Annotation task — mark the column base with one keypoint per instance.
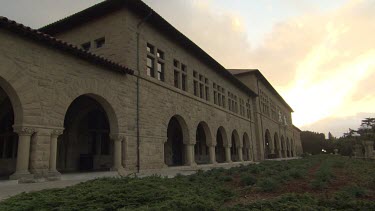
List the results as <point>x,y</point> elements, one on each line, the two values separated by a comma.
<point>120,170</point>
<point>22,177</point>
<point>53,175</point>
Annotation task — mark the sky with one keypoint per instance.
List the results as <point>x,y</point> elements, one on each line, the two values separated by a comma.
<point>318,54</point>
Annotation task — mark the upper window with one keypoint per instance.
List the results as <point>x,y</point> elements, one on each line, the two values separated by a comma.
<point>201,86</point>
<point>100,42</point>
<point>155,58</point>
<point>86,46</point>
<point>219,95</point>
<point>180,75</point>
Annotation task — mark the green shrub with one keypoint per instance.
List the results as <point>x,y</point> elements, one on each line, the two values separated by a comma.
<point>226,178</point>
<point>296,174</point>
<point>355,191</point>
<point>268,184</point>
<point>248,180</point>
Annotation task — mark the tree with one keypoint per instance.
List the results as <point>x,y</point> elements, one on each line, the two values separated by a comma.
<point>312,142</point>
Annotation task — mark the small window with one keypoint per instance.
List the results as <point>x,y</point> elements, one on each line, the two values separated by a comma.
<point>86,46</point>
<point>160,71</point>
<point>183,67</point>
<point>100,42</point>
<point>160,54</point>
<point>195,74</point>
<point>184,82</point>
<point>150,48</point>
<point>150,66</point>
<point>176,63</point>
<point>195,88</point>
<point>176,76</point>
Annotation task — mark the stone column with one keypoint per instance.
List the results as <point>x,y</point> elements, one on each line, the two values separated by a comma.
<point>240,154</point>
<point>53,151</point>
<point>23,153</point>
<point>117,152</point>
<point>227,155</point>
<point>212,154</point>
<point>190,161</point>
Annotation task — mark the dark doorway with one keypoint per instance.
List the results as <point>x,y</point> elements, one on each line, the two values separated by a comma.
<point>201,150</point>
<point>85,144</point>
<point>174,147</point>
<point>8,138</point>
<point>219,149</point>
<point>234,148</point>
<point>267,150</point>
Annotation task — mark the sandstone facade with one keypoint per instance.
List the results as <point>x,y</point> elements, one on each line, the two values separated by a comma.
<point>69,114</point>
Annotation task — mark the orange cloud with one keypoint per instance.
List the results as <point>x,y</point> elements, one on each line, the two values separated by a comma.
<point>322,63</point>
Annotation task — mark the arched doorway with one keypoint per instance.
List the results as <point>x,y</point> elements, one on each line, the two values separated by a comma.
<point>8,138</point>
<point>287,147</point>
<point>246,148</point>
<point>219,149</point>
<point>292,153</point>
<point>276,144</point>
<point>283,150</point>
<point>201,149</point>
<point>235,144</point>
<point>267,147</point>
<point>85,144</point>
<point>174,154</point>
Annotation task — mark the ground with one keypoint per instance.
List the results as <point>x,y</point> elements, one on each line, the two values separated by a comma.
<point>312,183</point>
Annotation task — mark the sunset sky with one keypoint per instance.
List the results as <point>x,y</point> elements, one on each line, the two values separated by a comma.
<point>319,54</point>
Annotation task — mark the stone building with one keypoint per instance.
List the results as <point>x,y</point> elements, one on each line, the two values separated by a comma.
<point>117,88</point>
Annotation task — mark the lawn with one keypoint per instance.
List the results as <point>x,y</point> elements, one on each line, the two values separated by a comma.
<point>312,183</point>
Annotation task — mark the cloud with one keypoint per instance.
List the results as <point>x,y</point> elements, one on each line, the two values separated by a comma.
<point>323,63</point>
<point>337,126</point>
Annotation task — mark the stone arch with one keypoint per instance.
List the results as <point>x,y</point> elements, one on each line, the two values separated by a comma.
<point>267,144</point>
<point>177,137</point>
<point>276,144</point>
<point>7,89</point>
<point>8,136</point>
<point>292,152</point>
<point>283,145</point>
<point>85,144</point>
<point>221,143</point>
<point>247,154</point>
<point>235,146</point>
<point>104,103</point>
<point>203,140</point>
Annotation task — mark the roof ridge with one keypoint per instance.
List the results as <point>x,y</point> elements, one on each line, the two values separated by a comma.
<point>61,45</point>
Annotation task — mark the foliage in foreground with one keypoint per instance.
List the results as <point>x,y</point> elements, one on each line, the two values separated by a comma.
<point>217,188</point>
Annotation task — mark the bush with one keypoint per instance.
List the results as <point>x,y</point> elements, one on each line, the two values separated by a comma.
<point>248,180</point>
<point>268,184</point>
<point>296,174</point>
<point>355,191</point>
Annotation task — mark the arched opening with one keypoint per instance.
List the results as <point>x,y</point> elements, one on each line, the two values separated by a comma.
<point>235,144</point>
<point>287,147</point>
<point>267,150</point>
<point>219,149</point>
<point>174,154</point>
<point>246,148</point>
<point>282,143</point>
<point>85,144</point>
<point>8,138</point>
<point>201,149</point>
<point>276,144</point>
<point>292,153</point>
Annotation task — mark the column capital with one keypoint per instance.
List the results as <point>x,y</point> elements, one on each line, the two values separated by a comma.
<point>25,131</point>
<point>118,137</point>
<point>56,133</point>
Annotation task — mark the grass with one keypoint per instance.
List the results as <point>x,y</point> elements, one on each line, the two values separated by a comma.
<point>313,183</point>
